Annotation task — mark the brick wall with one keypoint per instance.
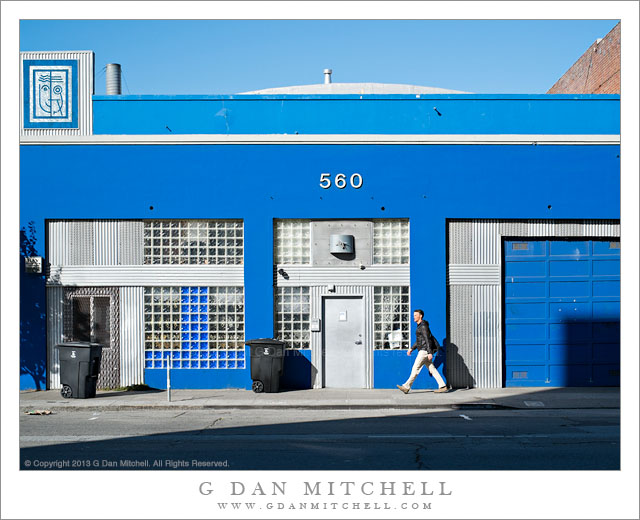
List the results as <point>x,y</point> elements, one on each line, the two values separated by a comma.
<point>597,71</point>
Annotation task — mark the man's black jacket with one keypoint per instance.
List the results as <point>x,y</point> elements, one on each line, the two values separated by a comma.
<point>423,337</point>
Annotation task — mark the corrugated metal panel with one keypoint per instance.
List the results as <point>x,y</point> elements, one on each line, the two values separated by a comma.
<point>472,274</point>
<point>131,336</point>
<point>486,243</point>
<point>85,93</point>
<point>131,242</point>
<point>81,243</point>
<point>461,242</point>
<point>152,275</point>
<point>487,335</point>
<point>55,333</point>
<point>460,354</point>
<point>106,235</point>
<point>303,275</point>
<point>541,228</point>
<point>58,237</point>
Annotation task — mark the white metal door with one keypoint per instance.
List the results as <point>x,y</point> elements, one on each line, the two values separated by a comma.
<point>344,347</point>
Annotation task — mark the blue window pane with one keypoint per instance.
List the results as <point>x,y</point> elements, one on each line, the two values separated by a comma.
<point>184,308</point>
<point>175,354</point>
<point>204,364</point>
<point>203,308</point>
<point>195,364</point>
<point>195,355</point>
<point>232,355</point>
<point>231,364</point>
<point>240,354</point>
<point>213,364</point>
<point>157,354</point>
<point>193,308</point>
<point>175,364</point>
<point>204,317</point>
<point>193,290</point>
<point>194,317</point>
<point>213,354</point>
<point>204,345</point>
<point>148,354</point>
<point>240,364</point>
<point>148,364</point>
<point>193,345</point>
<point>184,326</point>
<point>194,336</point>
<point>223,354</point>
<point>203,299</point>
<point>222,364</point>
<point>184,290</point>
<point>184,345</point>
<point>184,299</point>
<point>204,326</point>
<point>157,363</point>
<point>185,364</point>
<point>204,337</point>
<point>195,326</point>
<point>185,336</point>
<point>202,354</point>
<point>185,317</point>
<point>204,290</point>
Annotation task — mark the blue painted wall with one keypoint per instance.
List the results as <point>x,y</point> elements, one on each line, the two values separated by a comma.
<point>426,183</point>
<point>353,114</point>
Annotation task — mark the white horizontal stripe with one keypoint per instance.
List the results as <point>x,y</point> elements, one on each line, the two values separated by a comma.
<point>474,274</point>
<point>527,139</point>
<point>146,275</point>
<point>296,275</point>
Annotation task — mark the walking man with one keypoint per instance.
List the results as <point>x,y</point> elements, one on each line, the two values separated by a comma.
<point>426,349</point>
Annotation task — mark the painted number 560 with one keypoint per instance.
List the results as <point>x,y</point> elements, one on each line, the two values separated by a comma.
<point>340,181</point>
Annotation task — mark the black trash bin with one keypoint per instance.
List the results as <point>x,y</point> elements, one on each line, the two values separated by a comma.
<point>267,357</point>
<point>79,368</point>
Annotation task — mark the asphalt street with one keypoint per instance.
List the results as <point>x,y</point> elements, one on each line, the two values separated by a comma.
<point>587,439</point>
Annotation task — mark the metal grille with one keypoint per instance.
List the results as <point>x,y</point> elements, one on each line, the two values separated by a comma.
<point>391,317</point>
<point>292,242</point>
<point>391,241</point>
<point>293,310</point>
<point>195,327</point>
<point>208,242</point>
<point>93,314</point>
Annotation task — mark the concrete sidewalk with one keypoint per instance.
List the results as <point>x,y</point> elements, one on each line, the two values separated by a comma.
<point>328,398</point>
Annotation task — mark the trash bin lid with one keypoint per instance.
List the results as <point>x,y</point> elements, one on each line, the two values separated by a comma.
<point>79,344</point>
<point>264,341</point>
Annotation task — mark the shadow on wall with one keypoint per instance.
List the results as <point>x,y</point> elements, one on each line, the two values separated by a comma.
<point>458,375</point>
<point>33,350</point>
<point>298,372</point>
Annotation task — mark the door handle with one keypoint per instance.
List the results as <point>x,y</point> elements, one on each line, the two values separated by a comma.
<point>359,342</point>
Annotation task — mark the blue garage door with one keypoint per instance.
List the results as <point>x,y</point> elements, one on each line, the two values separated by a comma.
<point>562,313</point>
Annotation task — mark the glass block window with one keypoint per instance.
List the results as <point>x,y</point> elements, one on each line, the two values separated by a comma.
<point>292,242</point>
<point>391,317</point>
<point>194,327</point>
<point>391,241</point>
<point>213,242</point>
<point>293,311</point>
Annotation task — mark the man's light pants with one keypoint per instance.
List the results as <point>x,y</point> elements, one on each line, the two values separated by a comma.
<point>422,360</point>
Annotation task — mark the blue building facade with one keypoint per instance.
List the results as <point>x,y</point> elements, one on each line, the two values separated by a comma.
<point>175,228</point>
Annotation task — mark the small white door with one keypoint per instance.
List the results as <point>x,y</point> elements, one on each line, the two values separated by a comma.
<point>343,343</point>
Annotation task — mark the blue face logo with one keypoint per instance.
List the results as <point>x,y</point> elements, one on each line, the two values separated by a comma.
<point>51,93</point>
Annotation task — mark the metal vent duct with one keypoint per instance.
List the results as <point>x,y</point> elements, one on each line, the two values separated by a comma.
<point>327,76</point>
<point>114,84</point>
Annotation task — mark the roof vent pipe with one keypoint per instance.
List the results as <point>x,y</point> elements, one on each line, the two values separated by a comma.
<point>114,84</point>
<point>327,76</point>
